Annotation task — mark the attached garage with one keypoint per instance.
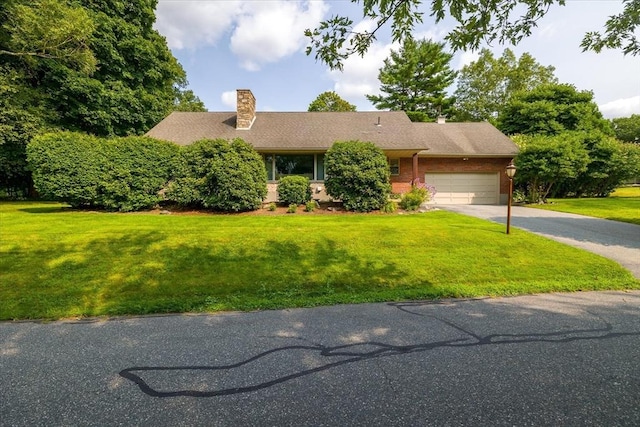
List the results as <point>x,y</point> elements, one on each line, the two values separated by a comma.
<point>464,188</point>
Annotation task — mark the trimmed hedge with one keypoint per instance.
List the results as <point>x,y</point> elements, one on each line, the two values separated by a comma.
<point>358,174</point>
<point>123,174</point>
<point>66,166</point>
<point>138,169</point>
<point>294,189</point>
<point>221,175</point>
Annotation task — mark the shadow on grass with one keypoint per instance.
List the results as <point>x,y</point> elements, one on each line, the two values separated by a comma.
<point>144,272</point>
<point>47,209</point>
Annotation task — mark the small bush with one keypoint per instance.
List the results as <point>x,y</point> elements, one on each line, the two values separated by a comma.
<point>413,199</point>
<point>310,206</point>
<point>390,207</point>
<point>272,206</point>
<point>294,189</point>
<point>419,194</point>
<point>293,208</point>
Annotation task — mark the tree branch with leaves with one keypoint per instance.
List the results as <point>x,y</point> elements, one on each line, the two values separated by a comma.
<point>49,29</point>
<point>478,22</point>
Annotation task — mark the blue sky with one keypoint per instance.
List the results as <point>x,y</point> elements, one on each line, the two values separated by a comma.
<point>226,45</point>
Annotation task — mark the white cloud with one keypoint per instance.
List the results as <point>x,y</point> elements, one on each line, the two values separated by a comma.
<point>435,34</point>
<point>229,99</point>
<point>267,31</point>
<point>260,31</point>
<point>621,107</point>
<point>189,24</point>
<point>467,58</point>
<point>359,76</point>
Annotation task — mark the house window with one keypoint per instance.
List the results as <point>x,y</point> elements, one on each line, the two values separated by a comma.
<point>268,164</point>
<point>307,165</point>
<point>320,167</point>
<point>394,166</point>
<point>294,164</point>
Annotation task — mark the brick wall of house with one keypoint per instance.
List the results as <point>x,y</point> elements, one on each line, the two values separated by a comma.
<point>402,183</point>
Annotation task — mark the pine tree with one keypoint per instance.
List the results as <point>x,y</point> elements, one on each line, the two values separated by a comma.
<point>415,79</point>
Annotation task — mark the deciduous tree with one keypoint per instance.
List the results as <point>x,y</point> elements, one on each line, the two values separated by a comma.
<point>485,85</point>
<point>186,100</point>
<point>47,29</point>
<point>330,101</point>
<point>620,31</point>
<point>551,109</point>
<point>95,66</point>
<point>627,128</point>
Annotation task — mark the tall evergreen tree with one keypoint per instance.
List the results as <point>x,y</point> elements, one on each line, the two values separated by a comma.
<point>415,79</point>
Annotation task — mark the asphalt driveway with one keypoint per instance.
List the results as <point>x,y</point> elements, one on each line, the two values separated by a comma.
<point>615,240</point>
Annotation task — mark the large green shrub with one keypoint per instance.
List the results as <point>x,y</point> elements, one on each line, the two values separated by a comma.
<point>123,174</point>
<point>222,175</point>
<point>66,166</point>
<point>294,189</point>
<point>358,174</point>
<point>611,162</point>
<point>546,161</point>
<point>138,169</point>
<point>573,164</point>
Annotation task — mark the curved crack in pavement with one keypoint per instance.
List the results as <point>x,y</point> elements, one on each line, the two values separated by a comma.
<point>349,353</point>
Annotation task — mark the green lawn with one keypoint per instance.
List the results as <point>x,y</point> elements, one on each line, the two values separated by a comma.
<point>57,263</point>
<point>622,205</point>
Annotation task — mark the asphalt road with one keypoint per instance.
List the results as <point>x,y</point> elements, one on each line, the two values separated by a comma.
<point>619,241</point>
<point>558,359</point>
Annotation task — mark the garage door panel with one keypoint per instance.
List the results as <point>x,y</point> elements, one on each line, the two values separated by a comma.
<point>465,188</point>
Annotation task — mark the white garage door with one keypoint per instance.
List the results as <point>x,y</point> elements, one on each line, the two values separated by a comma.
<point>465,188</point>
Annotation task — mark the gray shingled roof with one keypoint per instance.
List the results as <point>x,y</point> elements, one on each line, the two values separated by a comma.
<point>478,139</point>
<point>317,131</point>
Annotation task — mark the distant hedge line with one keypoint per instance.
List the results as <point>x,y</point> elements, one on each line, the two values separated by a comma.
<point>134,173</point>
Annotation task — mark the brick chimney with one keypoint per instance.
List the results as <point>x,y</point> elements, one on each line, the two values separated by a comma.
<point>245,109</point>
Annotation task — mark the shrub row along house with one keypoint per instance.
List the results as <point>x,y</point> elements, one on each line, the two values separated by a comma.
<point>465,162</point>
